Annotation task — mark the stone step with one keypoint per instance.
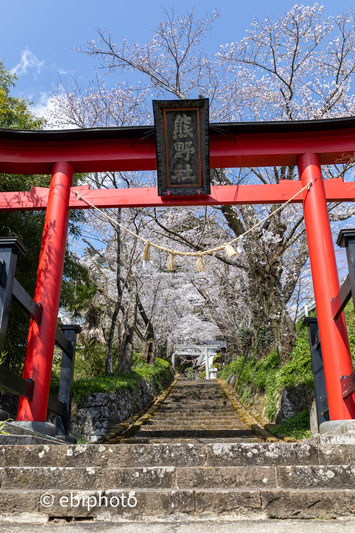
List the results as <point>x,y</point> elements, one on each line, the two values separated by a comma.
<point>213,524</point>
<point>144,431</point>
<point>180,453</point>
<point>196,412</point>
<point>228,412</point>
<point>201,406</point>
<point>195,458</point>
<point>193,416</point>
<point>209,424</point>
<point>146,440</point>
<point>192,410</point>
<point>199,477</point>
<point>193,420</point>
<point>202,424</point>
<point>165,504</point>
<point>193,390</point>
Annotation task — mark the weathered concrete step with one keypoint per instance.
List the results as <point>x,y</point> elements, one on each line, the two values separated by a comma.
<point>194,433</point>
<point>205,384</point>
<point>196,400</point>
<point>229,416</point>
<point>214,524</point>
<point>198,412</point>
<point>129,478</point>
<point>227,411</point>
<point>210,425</point>
<point>194,421</point>
<point>193,392</point>
<point>198,427</point>
<point>15,434</point>
<point>146,440</point>
<point>200,406</point>
<point>286,477</point>
<point>171,504</point>
<point>179,454</point>
<point>194,388</point>
<point>196,424</point>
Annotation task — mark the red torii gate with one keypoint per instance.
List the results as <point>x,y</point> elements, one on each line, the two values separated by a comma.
<point>307,144</point>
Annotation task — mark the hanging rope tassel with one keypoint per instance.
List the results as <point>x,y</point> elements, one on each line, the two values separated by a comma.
<point>171,263</point>
<point>146,252</point>
<point>200,264</point>
<point>229,251</point>
<point>240,248</point>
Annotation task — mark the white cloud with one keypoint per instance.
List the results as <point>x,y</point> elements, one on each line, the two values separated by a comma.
<point>44,106</point>
<point>28,61</point>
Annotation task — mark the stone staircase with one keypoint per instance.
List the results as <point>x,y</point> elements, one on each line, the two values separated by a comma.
<point>194,459</point>
<point>193,410</point>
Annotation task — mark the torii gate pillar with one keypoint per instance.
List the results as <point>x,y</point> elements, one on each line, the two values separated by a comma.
<point>333,334</point>
<point>40,345</point>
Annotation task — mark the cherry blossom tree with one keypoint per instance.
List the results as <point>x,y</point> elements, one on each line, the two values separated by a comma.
<point>298,66</point>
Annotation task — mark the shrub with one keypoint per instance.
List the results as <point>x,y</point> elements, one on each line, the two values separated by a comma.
<point>296,427</point>
<point>161,374</point>
<point>268,376</point>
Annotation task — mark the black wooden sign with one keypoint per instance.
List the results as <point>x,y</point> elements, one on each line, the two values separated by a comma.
<point>182,145</point>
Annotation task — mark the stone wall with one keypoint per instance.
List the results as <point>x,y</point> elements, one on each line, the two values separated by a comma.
<point>290,402</point>
<point>99,411</point>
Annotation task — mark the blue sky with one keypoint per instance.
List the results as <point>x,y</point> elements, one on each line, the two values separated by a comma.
<point>38,37</point>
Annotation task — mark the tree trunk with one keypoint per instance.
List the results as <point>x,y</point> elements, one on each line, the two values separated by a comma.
<point>126,345</point>
<point>109,361</point>
<point>148,350</point>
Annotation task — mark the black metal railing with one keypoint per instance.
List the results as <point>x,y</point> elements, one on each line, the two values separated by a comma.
<point>346,239</point>
<point>10,249</point>
<point>320,391</point>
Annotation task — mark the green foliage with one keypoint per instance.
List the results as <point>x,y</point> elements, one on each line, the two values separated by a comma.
<point>202,375</point>
<point>15,113</point>
<point>296,427</point>
<point>27,226</point>
<point>264,339</point>
<point>217,361</point>
<point>189,373</point>
<point>3,426</point>
<point>161,374</point>
<point>90,361</point>
<point>2,357</point>
<point>78,291</point>
<point>268,376</point>
<point>350,322</point>
<point>246,340</point>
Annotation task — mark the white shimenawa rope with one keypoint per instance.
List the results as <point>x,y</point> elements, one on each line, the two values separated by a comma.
<point>172,253</point>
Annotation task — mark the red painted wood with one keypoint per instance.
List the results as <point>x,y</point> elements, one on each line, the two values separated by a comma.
<point>40,345</point>
<point>28,153</point>
<point>134,153</point>
<point>36,198</point>
<point>333,334</point>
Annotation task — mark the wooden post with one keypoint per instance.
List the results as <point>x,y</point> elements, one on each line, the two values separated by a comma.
<point>333,334</point>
